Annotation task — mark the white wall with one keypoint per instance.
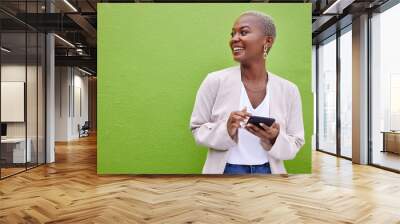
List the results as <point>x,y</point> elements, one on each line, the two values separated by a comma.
<point>16,72</point>
<point>13,72</point>
<point>62,81</point>
<point>81,89</point>
<point>71,93</point>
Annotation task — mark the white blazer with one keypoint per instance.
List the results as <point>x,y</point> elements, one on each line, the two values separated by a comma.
<point>219,95</point>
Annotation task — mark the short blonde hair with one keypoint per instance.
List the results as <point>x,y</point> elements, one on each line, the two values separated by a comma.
<point>266,21</point>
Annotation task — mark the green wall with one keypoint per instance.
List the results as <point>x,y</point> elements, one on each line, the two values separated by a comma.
<point>151,61</point>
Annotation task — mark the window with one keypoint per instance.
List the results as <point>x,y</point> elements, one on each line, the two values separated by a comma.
<point>346,92</point>
<point>327,95</point>
<point>385,89</point>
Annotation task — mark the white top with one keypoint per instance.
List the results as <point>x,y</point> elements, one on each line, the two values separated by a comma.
<point>249,151</point>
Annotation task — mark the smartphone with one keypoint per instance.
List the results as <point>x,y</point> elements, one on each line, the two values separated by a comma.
<point>256,120</point>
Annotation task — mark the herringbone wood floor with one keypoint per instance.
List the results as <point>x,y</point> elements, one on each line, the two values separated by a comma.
<point>70,191</point>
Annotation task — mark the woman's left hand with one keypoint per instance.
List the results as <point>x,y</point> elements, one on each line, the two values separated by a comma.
<point>269,133</point>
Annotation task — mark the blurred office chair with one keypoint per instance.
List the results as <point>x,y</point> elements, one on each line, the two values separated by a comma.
<point>84,130</point>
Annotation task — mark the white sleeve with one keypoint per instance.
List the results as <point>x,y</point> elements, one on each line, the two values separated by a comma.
<point>291,138</point>
<point>210,134</point>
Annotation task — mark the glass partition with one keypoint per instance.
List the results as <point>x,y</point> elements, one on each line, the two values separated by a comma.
<point>327,95</point>
<point>41,107</point>
<point>22,88</point>
<point>14,153</point>
<point>32,95</point>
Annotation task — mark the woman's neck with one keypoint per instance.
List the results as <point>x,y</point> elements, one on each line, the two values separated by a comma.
<point>253,72</point>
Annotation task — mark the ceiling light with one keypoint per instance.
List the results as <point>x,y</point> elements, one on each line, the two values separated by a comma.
<point>70,5</point>
<point>337,7</point>
<point>79,51</point>
<point>84,71</point>
<point>5,50</point>
<point>65,41</point>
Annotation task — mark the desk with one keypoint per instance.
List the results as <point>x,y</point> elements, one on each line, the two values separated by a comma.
<point>391,141</point>
<point>17,150</point>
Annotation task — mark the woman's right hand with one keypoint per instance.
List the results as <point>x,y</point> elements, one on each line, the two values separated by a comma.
<point>234,121</point>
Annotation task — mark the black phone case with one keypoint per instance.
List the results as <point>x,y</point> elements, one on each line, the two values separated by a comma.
<point>256,120</point>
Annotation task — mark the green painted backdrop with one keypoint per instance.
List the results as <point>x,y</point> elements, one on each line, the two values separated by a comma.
<point>151,61</point>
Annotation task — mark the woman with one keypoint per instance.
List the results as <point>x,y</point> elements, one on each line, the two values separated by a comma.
<point>218,121</point>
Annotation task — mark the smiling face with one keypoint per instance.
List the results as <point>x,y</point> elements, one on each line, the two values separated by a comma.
<point>248,39</point>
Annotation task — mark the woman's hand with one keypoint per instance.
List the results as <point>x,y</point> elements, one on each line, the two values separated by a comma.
<point>268,134</point>
<point>234,121</point>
